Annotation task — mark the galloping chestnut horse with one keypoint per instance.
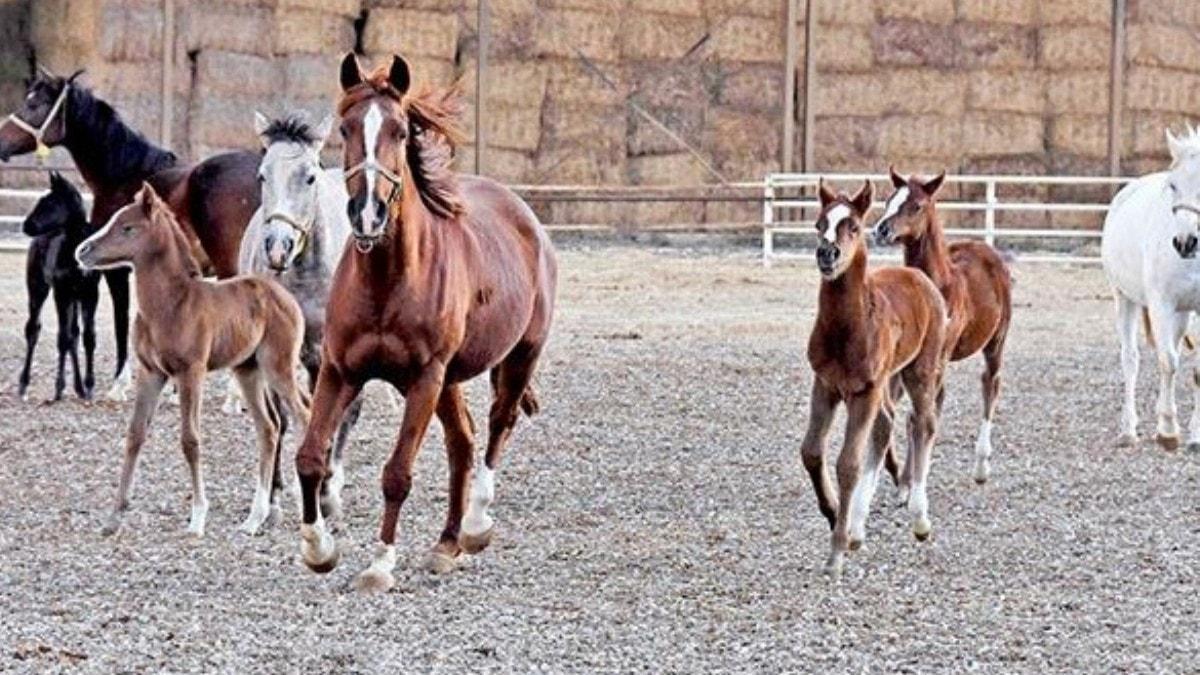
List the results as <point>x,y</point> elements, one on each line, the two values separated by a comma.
<point>448,277</point>
<point>871,327</point>
<point>973,279</point>
<point>187,326</point>
<point>213,200</point>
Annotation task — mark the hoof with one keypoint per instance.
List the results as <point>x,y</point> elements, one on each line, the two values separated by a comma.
<point>1127,440</point>
<point>110,529</point>
<point>981,480</point>
<point>374,581</point>
<point>325,566</point>
<point>833,566</point>
<point>1192,446</point>
<point>474,543</point>
<point>331,507</point>
<point>275,517</point>
<point>251,527</point>
<point>436,562</point>
<point>902,495</point>
<point>856,544</point>
<point>1168,443</point>
<point>921,529</point>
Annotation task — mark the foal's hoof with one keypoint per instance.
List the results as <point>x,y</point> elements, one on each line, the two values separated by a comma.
<point>274,516</point>
<point>374,581</point>
<point>325,566</point>
<point>921,529</point>
<point>1168,443</point>
<point>1127,440</point>
<point>437,562</point>
<point>834,565</point>
<point>1192,446</point>
<point>110,528</point>
<point>331,506</point>
<point>474,543</point>
<point>855,544</point>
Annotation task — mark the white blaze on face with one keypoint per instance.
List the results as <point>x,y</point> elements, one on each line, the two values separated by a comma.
<point>834,218</point>
<point>894,203</point>
<point>372,123</point>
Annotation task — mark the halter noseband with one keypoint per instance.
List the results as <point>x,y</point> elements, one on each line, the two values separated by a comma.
<point>1185,207</point>
<point>395,179</point>
<point>43,150</point>
<point>304,231</point>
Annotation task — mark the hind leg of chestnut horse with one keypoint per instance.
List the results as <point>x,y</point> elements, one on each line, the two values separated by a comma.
<point>190,384</point>
<point>420,401</point>
<point>822,406</point>
<point>924,392</point>
<point>459,433</point>
<point>861,410</point>
<point>332,396</point>
<point>331,489</point>
<point>149,388</point>
<point>890,459</point>
<point>993,358</point>
<point>1168,326</point>
<point>1128,313</point>
<point>880,448</point>
<point>254,393</point>
<point>511,382</point>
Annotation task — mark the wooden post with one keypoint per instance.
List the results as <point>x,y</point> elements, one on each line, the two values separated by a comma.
<point>789,89</point>
<point>166,119</point>
<point>810,77</point>
<point>480,87</point>
<point>1116,88</point>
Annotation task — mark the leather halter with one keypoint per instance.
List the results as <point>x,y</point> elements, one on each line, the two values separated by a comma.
<point>303,231</point>
<point>1185,207</point>
<point>60,103</point>
<point>363,245</point>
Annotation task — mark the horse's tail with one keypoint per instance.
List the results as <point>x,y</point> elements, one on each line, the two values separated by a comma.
<point>1009,259</point>
<point>529,402</point>
<point>1189,343</point>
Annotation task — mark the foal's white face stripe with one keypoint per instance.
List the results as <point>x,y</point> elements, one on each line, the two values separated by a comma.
<point>834,218</point>
<point>893,205</point>
<point>372,123</point>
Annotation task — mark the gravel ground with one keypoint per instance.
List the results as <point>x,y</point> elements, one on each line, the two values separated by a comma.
<point>654,517</point>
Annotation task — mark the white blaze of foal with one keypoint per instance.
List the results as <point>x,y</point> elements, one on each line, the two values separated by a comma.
<point>832,219</point>
<point>372,123</point>
<point>893,205</point>
<point>483,489</point>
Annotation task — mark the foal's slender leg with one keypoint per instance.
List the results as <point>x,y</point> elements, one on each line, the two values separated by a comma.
<point>923,429</point>
<point>118,288</point>
<point>191,392</point>
<point>420,402</point>
<point>891,461</point>
<point>881,445</point>
<point>89,297</point>
<point>333,394</point>
<point>822,405</point>
<point>39,290</point>
<point>860,418</point>
<point>993,358</point>
<point>66,317</point>
<point>150,386</point>
<point>77,376</point>
<point>254,394</point>
<point>1128,313</point>
<point>460,451</point>
<point>1168,327</point>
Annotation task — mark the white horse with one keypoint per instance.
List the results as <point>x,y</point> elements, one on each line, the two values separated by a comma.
<point>1149,254</point>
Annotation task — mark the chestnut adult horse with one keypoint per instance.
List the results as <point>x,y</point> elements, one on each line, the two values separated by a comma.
<point>872,329</point>
<point>447,277</point>
<point>212,200</point>
<point>973,279</point>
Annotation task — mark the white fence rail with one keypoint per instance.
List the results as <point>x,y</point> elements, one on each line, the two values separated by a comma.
<point>781,192</point>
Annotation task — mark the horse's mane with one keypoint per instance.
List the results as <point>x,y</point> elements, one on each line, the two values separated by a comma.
<point>105,143</point>
<point>160,211</point>
<point>434,136</point>
<point>293,128</point>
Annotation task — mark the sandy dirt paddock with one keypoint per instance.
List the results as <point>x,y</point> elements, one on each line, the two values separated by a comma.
<point>654,517</point>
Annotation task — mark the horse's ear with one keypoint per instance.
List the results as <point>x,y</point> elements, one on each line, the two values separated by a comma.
<point>261,123</point>
<point>897,180</point>
<point>351,72</point>
<point>399,75</point>
<point>861,201</point>
<point>74,75</point>
<point>826,195</point>
<point>934,184</point>
<point>148,198</point>
<point>1174,146</point>
<point>322,132</point>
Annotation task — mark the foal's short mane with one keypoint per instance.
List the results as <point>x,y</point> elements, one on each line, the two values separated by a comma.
<point>294,128</point>
<point>434,136</point>
<point>161,212</point>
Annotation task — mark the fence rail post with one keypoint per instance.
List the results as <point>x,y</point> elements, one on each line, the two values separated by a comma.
<point>989,218</point>
<point>768,242</point>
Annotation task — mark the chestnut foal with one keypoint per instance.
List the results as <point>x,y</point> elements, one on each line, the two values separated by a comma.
<point>971,276</point>
<point>870,328</point>
<point>187,326</point>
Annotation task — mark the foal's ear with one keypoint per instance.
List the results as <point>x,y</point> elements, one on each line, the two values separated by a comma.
<point>897,180</point>
<point>148,198</point>
<point>826,195</point>
<point>399,75</point>
<point>1174,146</point>
<point>351,73</point>
<point>934,184</point>
<point>861,201</point>
<point>322,132</point>
<point>261,123</point>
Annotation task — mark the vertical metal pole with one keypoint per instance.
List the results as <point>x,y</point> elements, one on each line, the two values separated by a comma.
<point>480,84</point>
<point>1116,87</point>
<point>789,88</point>
<point>989,218</point>
<point>768,242</point>
<point>166,119</point>
<point>810,78</point>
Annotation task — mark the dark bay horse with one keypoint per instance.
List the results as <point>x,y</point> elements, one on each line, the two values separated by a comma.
<point>187,326</point>
<point>448,277</point>
<point>213,199</point>
<point>58,223</point>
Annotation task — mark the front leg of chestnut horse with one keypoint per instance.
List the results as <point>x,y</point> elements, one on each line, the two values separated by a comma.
<point>822,405</point>
<point>459,432</point>
<point>333,394</point>
<point>860,418</point>
<point>150,386</point>
<point>191,392</point>
<point>420,402</point>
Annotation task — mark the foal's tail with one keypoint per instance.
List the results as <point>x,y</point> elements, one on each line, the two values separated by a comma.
<point>1189,343</point>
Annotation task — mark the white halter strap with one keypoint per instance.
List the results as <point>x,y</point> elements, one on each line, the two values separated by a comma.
<point>303,230</point>
<point>60,104</point>
<point>387,173</point>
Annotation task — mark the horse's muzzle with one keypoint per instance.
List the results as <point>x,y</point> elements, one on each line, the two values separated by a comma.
<point>884,234</point>
<point>827,257</point>
<point>1186,246</point>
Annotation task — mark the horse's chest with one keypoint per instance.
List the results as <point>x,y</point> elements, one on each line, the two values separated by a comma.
<point>842,364</point>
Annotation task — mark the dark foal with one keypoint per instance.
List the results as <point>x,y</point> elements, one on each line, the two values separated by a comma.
<point>972,277</point>
<point>58,223</point>
<point>871,327</point>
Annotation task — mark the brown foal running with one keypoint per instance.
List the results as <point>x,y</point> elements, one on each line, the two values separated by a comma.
<point>870,328</point>
<point>187,326</point>
<point>448,277</point>
<point>973,279</point>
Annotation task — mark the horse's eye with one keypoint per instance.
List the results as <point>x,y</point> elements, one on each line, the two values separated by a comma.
<point>261,179</point>
<point>128,229</point>
<point>310,180</point>
<point>343,132</point>
<point>853,227</point>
